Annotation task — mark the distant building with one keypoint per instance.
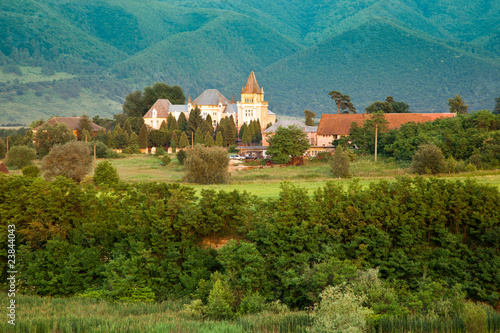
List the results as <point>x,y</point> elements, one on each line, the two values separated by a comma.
<point>334,126</point>
<point>71,122</point>
<point>211,102</point>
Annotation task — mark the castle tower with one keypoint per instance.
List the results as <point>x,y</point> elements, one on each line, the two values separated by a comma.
<point>252,105</point>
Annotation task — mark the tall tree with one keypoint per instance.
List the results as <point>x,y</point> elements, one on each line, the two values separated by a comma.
<point>84,124</point>
<point>183,140</point>
<point>218,139</point>
<point>194,122</point>
<point>209,140</point>
<point>496,110</point>
<point>182,122</point>
<point>142,141</point>
<point>199,138</point>
<point>247,135</point>
<point>242,130</point>
<point>309,117</point>
<point>49,135</point>
<point>343,102</point>
<point>232,131</point>
<point>457,105</point>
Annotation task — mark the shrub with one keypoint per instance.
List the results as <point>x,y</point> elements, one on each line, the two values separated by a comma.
<point>105,174</point>
<point>100,149</point>
<point>181,156</point>
<point>220,301</point>
<point>428,160</point>
<point>207,165</point>
<point>160,151</point>
<point>31,171</point>
<point>340,164</point>
<point>165,160</point>
<point>475,318</point>
<point>470,168</point>
<point>132,149</point>
<point>232,149</point>
<point>71,160</point>
<point>251,304</point>
<point>340,310</point>
<point>110,153</point>
<point>20,156</point>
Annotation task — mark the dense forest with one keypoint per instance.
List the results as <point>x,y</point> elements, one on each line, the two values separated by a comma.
<point>57,56</point>
<point>433,241</point>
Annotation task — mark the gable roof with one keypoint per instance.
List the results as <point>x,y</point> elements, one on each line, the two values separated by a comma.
<point>286,123</point>
<point>71,122</point>
<point>252,86</point>
<point>162,107</point>
<point>210,97</point>
<point>339,124</point>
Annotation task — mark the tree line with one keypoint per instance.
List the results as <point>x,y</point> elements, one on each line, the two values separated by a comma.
<point>430,239</point>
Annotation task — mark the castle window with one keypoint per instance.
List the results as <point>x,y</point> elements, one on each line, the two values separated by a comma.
<point>248,113</point>
<point>154,113</point>
<point>248,100</point>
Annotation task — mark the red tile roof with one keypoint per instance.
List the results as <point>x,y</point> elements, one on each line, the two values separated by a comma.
<point>71,122</point>
<point>162,106</point>
<point>339,124</point>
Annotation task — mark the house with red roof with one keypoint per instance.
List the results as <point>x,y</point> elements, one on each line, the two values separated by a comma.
<point>334,126</point>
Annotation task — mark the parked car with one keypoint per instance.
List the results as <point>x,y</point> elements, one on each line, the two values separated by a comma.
<point>236,157</point>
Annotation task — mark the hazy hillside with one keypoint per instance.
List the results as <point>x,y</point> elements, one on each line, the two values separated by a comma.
<point>418,51</point>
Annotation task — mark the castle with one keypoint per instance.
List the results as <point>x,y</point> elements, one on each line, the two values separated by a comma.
<point>252,106</point>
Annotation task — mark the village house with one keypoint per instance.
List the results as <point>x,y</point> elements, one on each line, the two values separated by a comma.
<point>334,126</point>
<point>211,102</point>
<point>71,122</point>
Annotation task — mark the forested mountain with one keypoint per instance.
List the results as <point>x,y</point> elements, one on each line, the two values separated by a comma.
<point>67,57</point>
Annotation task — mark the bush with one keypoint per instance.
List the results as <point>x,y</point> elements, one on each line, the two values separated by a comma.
<point>160,151</point>
<point>475,318</point>
<point>165,160</point>
<point>100,149</point>
<point>181,156</point>
<point>207,165</point>
<point>428,160</point>
<point>340,310</point>
<point>340,164</point>
<point>20,156</point>
<point>105,174</point>
<point>31,171</point>
<point>71,160</point>
<point>132,149</point>
<point>110,153</point>
<point>470,168</point>
<point>232,149</point>
<point>251,304</point>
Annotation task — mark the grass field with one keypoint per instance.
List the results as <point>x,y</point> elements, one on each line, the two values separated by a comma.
<point>265,182</point>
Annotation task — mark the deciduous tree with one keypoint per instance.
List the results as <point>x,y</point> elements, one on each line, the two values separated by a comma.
<point>457,105</point>
<point>343,102</point>
<point>207,165</point>
<point>71,160</point>
<point>286,143</point>
<point>20,156</point>
<point>309,117</point>
<point>49,135</point>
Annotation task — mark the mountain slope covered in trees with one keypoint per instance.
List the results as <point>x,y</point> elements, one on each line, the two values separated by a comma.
<point>418,51</point>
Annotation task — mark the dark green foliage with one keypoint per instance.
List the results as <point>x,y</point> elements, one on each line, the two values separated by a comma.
<point>218,139</point>
<point>194,122</point>
<point>120,137</point>
<point>199,138</point>
<point>207,165</point>
<point>20,156</point>
<point>343,102</point>
<point>388,106</point>
<point>496,110</point>
<point>183,141</point>
<point>100,149</point>
<point>85,127</point>
<point>71,160</point>
<point>31,171</point>
<point>209,140</point>
<point>3,149</point>
<point>137,104</point>
<point>181,156</point>
<point>340,164</point>
<point>49,135</point>
<point>286,143</point>
<point>182,122</point>
<point>457,105</point>
<point>428,160</point>
<point>165,160</point>
<point>105,174</point>
<point>309,117</point>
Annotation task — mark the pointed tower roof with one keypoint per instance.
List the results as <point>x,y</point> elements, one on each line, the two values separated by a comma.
<point>232,100</point>
<point>252,86</point>
<point>189,99</point>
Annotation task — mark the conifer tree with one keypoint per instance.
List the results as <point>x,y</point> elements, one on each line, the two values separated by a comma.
<point>233,131</point>
<point>127,127</point>
<point>209,140</point>
<point>194,122</point>
<point>247,135</point>
<point>218,139</point>
<point>163,126</point>
<point>182,122</point>
<point>183,141</point>
<point>142,141</point>
<point>199,138</point>
<point>242,130</point>
<point>174,141</point>
<point>120,137</point>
